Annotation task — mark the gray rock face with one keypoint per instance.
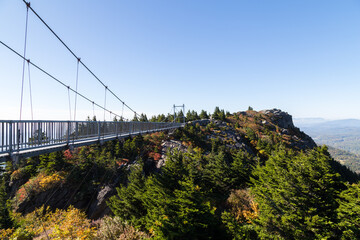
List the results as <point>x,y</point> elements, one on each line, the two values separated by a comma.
<point>280,118</point>
<point>169,146</point>
<point>202,122</point>
<point>98,207</point>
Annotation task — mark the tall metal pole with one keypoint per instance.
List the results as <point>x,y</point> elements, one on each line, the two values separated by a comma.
<point>174,113</point>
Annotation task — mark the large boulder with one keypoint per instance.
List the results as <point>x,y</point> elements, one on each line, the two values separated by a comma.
<point>280,118</point>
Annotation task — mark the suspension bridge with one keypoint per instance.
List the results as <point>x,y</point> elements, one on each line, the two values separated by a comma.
<point>26,138</point>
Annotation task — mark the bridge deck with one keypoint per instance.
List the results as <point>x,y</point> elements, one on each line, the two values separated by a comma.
<point>31,138</point>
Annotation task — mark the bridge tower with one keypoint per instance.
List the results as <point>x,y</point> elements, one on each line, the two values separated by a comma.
<point>182,108</point>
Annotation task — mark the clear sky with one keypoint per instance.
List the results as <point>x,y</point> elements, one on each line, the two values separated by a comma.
<point>300,56</point>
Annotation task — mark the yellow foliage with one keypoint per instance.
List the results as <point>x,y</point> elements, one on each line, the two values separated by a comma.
<point>17,174</point>
<point>243,207</point>
<point>50,181</point>
<point>61,224</point>
<point>36,185</point>
<point>71,224</point>
<point>5,234</point>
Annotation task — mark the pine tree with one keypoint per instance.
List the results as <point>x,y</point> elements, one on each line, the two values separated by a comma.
<point>128,203</point>
<point>203,115</point>
<point>349,212</point>
<point>297,196</point>
<point>5,220</point>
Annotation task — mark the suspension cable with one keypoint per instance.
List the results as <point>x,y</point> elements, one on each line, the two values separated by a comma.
<point>69,102</point>
<point>82,63</point>
<point>76,88</point>
<point>23,72</point>
<point>93,110</point>
<point>57,80</point>
<point>105,102</point>
<point>122,112</point>
<point>31,105</point>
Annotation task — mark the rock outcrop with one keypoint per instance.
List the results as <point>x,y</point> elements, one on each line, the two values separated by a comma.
<point>280,118</point>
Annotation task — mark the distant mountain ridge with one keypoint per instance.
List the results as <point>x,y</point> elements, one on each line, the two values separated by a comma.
<point>341,134</point>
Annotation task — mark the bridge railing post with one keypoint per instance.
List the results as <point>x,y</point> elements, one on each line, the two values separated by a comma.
<point>76,130</point>
<point>68,133</point>
<point>39,133</point>
<point>10,137</point>
<point>99,130</point>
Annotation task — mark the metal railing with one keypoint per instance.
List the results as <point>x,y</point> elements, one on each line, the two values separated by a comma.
<point>18,136</point>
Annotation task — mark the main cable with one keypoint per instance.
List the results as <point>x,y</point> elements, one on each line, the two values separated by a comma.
<point>54,78</point>
<point>82,63</point>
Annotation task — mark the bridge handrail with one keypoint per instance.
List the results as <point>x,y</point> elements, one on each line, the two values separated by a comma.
<point>18,135</point>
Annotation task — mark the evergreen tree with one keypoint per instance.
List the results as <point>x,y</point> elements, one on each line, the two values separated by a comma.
<point>180,117</point>
<point>219,114</point>
<point>203,115</point>
<point>143,118</point>
<point>192,116</point>
<point>216,113</point>
<point>241,169</point>
<point>297,196</point>
<point>128,203</point>
<point>185,214</point>
<point>5,220</point>
<point>217,175</point>
<point>161,118</point>
<point>135,119</point>
<point>349,212</point>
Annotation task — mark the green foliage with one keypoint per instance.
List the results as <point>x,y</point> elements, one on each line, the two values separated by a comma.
<point>128,203</point>
<point>192,116</point>
<point>239,215</point>
<point>135,119</point>
<point>217,175</point>
<point>52,162</point>
<point>192,216</point>
<point>297,196</point>
<point>238,231</point>
<point>349,212</point>
<point>131,147</point>
<point>241,169</point>
<point>251,134</point>
<point>5,220</point>
<point>143,118</point>
<point>203,115</point>
<point>180,117</point>
<point>173,204</point>
<point>219,114</point>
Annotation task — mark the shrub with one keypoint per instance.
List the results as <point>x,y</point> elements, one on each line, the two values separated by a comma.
<point>114,228</point>
<point>61,224</point>
<point>40,183</point>
<point>5,234</point>
<point>17,174</point>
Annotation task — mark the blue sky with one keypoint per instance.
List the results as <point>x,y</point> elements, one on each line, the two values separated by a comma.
<point>300,56</point>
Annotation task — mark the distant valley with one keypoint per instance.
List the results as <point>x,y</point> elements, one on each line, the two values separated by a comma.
<point>342,136</point>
